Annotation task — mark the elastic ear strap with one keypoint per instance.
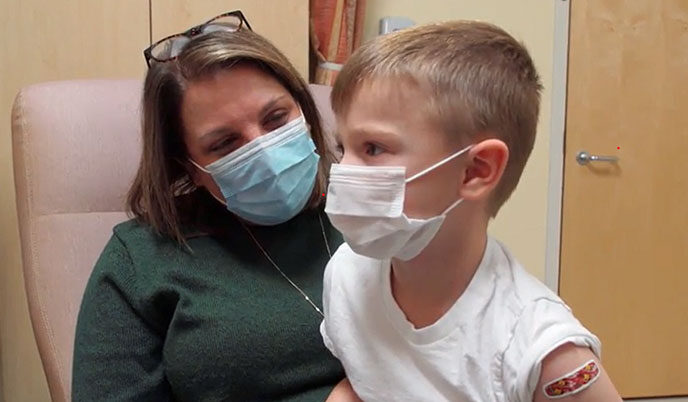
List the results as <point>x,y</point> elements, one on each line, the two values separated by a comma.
<point>223,202</point>
<point>201,168</point>
<point>438,164</point>
<point>452,206</point>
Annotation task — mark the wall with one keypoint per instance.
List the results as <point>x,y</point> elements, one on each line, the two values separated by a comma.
<point>521,223</point>
<point>45,41</point>
<point>68,39</point>
<point>271,18</point>
<point>65,39</point>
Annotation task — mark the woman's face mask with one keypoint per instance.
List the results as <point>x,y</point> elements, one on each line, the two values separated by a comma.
<point>250,144</point>
<point>269,180</point>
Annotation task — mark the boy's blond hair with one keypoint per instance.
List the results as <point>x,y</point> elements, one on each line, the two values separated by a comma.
<point>479,82</point>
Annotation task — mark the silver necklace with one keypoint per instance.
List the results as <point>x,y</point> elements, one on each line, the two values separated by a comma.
<point>267,256</point>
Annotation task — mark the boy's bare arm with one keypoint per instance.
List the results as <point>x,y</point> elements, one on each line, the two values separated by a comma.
<point>343,392</point>
<point>573,373</point>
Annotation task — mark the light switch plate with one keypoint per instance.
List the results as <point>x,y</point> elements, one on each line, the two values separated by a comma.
<point>391,24</point>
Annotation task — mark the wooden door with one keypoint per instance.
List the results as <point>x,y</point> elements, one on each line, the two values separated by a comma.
<point>624,250</point>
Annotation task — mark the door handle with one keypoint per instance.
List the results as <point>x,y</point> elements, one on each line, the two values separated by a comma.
<point>583,158</point>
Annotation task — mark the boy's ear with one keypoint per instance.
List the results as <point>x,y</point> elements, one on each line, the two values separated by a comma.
<point>486,164</point>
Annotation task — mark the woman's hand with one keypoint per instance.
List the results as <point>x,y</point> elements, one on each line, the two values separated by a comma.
<point>343,392</point>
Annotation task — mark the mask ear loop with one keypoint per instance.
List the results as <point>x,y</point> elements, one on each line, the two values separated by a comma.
<point>436,165</point>
<point>202,169</point>
<point>223,202</point>
<point>452,206</point>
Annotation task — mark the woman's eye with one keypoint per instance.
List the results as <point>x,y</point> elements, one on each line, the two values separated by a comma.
<point>221,145</point>
<point>275,120</point>
<point>372,149</point>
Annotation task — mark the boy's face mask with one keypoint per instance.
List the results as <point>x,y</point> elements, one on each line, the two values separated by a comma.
<point>366,204</point>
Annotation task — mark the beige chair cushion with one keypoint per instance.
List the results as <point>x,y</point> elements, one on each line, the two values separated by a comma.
<point>76,146</point>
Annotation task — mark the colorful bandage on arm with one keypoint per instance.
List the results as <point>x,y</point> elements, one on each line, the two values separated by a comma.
<point>573,382</point>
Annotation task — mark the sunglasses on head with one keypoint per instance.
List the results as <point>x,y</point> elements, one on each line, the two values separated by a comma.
<point>168,48</point>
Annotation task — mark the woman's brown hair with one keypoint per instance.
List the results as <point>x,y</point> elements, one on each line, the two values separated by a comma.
<point>162,194</point>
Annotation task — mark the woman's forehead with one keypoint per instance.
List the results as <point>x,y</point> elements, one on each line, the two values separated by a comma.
<point>231,97</point>
<point>241,82</point>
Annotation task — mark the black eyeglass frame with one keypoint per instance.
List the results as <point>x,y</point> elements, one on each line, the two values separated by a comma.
<point>190,33</point>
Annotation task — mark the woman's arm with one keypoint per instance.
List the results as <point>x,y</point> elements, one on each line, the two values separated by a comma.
<point>117,354</point>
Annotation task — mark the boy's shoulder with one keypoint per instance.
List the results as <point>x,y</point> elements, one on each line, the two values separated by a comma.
<point>513,281</point>
<point>346,266</point>
<point>540,321</point>
<point>529,300</point>
<point>524,301</point>
<point>518,283</point>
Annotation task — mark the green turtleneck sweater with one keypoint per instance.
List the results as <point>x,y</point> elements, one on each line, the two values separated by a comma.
<point>219,323</point>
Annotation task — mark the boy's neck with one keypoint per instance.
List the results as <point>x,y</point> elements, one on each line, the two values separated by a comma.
<point>426,287</point>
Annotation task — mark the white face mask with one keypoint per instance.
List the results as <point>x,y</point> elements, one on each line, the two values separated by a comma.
<point>366,204</point>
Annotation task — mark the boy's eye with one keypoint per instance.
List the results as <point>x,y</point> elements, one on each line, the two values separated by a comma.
<point>372,149</point>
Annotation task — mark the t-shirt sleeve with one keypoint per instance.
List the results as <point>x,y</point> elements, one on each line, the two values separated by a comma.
<point>543,326</point>
<point>326,339</point>
<point>327,289</point>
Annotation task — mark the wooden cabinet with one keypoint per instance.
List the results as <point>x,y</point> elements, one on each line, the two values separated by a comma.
<point>73,39</point>
<point>284,22</point>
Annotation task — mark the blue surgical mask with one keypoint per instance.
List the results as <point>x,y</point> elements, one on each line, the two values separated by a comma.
<point>269,180</point>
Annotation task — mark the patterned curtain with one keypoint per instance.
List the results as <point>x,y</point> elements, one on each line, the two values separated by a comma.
<point>336,30</point>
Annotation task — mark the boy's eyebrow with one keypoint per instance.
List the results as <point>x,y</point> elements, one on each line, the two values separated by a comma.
<point>376,132</point>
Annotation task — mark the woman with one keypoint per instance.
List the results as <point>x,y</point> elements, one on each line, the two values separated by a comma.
<point>213,291</point>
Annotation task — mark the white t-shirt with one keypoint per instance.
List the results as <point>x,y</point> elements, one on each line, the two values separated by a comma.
<point>488,347</point>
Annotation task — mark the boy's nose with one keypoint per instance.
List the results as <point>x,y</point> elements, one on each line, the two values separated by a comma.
<point>350,159</point>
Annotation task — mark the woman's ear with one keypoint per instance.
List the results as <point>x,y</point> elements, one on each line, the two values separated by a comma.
<point>202,179</point>
<point>193,171</point>
<point>486,164</point>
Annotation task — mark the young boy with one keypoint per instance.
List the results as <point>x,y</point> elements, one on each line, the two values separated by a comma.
<point>436,124</point>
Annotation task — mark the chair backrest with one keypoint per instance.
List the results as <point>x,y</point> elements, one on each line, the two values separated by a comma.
<point>76,147</point>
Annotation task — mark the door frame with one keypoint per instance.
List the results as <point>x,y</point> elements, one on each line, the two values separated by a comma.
<point>555,184</point>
